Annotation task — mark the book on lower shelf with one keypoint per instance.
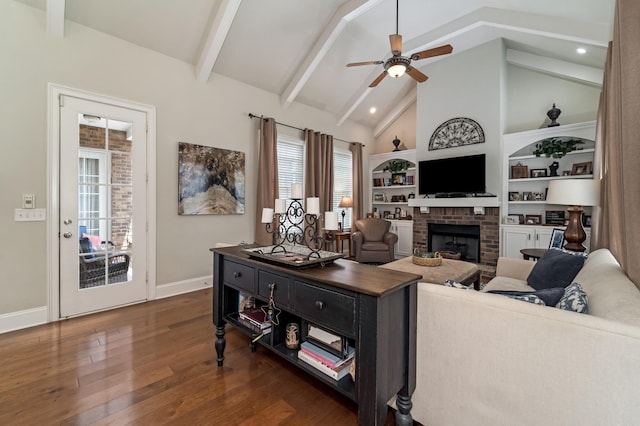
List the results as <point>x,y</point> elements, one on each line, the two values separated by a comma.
<point>256,317</point>
<point>335,373</point>
<point>326,357</point>
<point>251,326</point>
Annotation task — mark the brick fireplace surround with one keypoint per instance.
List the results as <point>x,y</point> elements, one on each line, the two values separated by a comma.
<point>489,224</point>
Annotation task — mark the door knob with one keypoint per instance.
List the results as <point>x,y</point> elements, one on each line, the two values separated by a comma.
<point>67,234</point>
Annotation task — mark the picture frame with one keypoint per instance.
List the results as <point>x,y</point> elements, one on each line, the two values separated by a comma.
<point>527,196</point>
<point>515,196</point>
<point>533,219</point>
<point>586,220</point>
<point>566,173</point>
<point>411,195</point>
<point>557,238</point>
<point>585,168</point>
<point>386,214</point>
<point>538,173</point>
<point>397,212</point>
<point>378,197</point>
<point>398,178</point>
<point>539,196</point>
<point>519,171</point>
<point>513,219</point>
<point>554,217</point>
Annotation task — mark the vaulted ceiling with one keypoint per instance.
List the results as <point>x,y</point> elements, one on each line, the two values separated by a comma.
<point>299,49</point>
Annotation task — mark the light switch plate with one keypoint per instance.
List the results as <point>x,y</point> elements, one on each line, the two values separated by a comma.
<point>30,215</point>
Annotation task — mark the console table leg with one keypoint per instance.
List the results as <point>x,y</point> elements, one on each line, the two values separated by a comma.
<point>220,344</point>
<point>403,414</point>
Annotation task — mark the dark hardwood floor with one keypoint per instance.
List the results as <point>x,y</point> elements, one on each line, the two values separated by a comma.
<point>154,363</point>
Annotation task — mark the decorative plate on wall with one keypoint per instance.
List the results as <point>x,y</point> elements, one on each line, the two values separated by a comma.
<point>458,131</point>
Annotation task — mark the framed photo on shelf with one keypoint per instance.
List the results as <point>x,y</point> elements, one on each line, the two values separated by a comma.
<point>386,214</point>
<point>566,173</point>
<point>512,219</point>
<point>586,220</point>
<point>519,171</point>
<point>539,196</point>
<point>378,197</point>
<point>515,196</point>
<point>533,219</point>
<point>538,173</point>
<point>527,196</point>
<point>554,217</point>
<point>398,178</point>
<point>585,168</point>
<point>557,238</point>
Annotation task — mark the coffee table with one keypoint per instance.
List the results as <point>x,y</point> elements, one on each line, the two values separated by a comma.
<point>466,273</point>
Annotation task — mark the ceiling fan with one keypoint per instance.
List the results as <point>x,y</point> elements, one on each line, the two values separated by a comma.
<point>397,65</point>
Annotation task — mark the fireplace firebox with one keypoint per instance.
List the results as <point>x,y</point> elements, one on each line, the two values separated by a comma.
<point>457,241</point>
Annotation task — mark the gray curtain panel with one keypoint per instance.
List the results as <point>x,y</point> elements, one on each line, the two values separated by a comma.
<point>357,211</point>
<point>318,177</point>
<point>267,179</point>
<point>617,148</point>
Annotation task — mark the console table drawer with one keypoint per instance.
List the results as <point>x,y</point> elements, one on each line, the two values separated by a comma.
<point>238,275</point>
<point>280,293</point>
<point>329,308</point>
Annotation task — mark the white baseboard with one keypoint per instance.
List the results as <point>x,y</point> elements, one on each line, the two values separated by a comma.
<point>180,287</point>
<point>23,319</point>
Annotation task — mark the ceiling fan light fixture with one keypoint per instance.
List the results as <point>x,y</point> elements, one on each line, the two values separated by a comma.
<point>396,70</point>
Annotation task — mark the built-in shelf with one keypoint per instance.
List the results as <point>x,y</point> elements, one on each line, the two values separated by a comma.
<point>455,202</point>
<point>531,156</point>
<point>552,178</point>
<point>375,172</point>
<point>393,186</point>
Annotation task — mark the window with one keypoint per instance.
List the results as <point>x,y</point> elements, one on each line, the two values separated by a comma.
<point>342,182</point>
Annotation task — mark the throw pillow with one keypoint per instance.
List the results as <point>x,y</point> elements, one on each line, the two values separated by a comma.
<point>549,296</point>
<point>574,299</point>
<point>456,284</point>
<point>557,268</point>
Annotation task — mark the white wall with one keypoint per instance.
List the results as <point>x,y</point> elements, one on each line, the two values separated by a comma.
<point>404,127</point>
<point>212,113</point>
<point>467,84</point>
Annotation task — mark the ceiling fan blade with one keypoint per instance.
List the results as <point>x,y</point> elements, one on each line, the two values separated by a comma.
<point>375,82</point>
<point>436,51</point>
<point>396,43</point>
<point>417,75</point>
<point>357,64</point>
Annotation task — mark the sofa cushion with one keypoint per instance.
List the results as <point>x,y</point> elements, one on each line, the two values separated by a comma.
<point>549,296</point>
<point>506,283</point>
<point>574,299</point>
<point>557,268</point>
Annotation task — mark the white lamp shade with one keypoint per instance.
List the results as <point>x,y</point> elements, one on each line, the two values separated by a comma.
<point>280,205</point>
<point>574,192</point>
<point>346,202</point>
<point>296,191</point>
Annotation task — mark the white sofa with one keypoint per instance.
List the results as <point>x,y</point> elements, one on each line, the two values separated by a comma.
<point>486,359</point>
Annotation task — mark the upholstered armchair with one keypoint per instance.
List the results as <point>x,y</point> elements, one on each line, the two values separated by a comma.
<point>372,240</point>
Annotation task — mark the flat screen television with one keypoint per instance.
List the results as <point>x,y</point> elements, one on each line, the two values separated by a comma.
<point>451,176</point>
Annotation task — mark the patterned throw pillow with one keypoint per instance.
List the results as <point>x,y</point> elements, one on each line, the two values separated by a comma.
<point>456,284</point>
<point>575,299</point>
<point>548,296</point>
<point>557,268</point>
<point>531,298</point>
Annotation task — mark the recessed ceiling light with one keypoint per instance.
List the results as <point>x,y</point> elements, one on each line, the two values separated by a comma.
<point>581,50</point>
<point>372,110</point>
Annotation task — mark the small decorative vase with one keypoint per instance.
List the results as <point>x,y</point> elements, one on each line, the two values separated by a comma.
<point>396,143</point>
<point>553,115</point>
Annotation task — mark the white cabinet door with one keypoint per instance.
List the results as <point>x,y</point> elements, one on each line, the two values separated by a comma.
<point>515,238</point>
<point>404,230</point>
<point>543,237</point>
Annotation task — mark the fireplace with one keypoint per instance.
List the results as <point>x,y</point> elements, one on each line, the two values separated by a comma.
<point>455,240</point>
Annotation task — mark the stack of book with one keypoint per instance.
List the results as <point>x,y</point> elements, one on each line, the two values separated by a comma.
<point>254,319</point>
<point>324,361</point>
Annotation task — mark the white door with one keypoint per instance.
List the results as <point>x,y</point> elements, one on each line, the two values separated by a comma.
<point>102,206</point>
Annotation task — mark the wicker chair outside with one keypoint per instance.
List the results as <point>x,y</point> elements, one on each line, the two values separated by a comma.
<point>92,266</point>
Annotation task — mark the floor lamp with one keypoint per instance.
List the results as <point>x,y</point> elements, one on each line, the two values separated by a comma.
<point>574,193</point>
<point>345,203</point>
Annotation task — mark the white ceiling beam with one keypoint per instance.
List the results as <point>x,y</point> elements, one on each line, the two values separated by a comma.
<point>215,38</point>
<point>404,104</point>
<point>563,69</point>
<point>345,13</point>
<point>55,18</point>
<point>351,106</point>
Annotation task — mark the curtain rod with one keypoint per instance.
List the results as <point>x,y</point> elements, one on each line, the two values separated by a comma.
<point>302,130</point>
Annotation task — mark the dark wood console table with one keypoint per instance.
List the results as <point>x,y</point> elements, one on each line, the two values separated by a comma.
<point>373,308</point>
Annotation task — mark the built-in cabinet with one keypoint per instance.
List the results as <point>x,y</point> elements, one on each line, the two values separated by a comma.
<point>391,192</point>
<point>404,230</point>
<point>513,238</point>
<point>526,179</point>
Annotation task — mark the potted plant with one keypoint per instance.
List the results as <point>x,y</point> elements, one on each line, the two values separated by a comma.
<point>395,166</point>
<point>556,147</point>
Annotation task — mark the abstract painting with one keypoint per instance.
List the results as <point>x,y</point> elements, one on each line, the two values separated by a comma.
<point>210,180</point>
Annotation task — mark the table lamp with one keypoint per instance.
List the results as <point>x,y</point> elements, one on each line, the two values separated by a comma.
<point>345,202</point>
<point>574,193</point>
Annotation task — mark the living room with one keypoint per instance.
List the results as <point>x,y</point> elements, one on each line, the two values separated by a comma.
<point>487,82</point>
